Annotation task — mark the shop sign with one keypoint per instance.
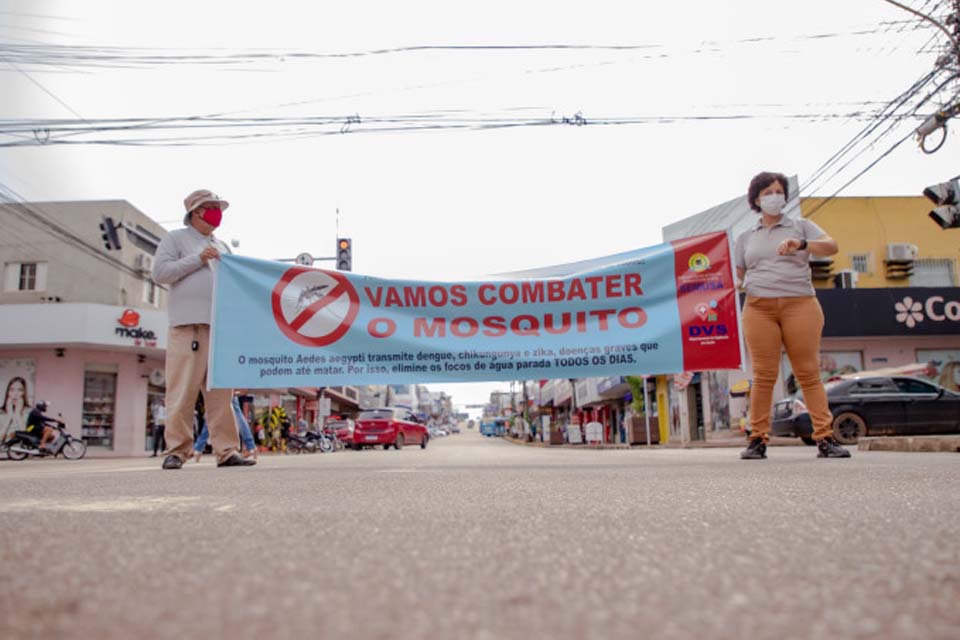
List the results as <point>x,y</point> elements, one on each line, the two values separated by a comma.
<point>605,384</point>
<point>129,327</point>
<point>911,312</point>
<point>895,311</point>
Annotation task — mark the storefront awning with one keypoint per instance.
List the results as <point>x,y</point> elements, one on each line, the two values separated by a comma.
<point>739,389</point>
<point>91,326</point>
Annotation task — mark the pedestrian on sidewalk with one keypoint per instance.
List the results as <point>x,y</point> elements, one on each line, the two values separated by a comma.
<point>781,310</point>
<point>248,445</point>
<point>159,414</point>
<point>184,260</point>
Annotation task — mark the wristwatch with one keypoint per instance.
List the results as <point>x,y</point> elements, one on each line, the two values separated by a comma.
<point>803,245</point>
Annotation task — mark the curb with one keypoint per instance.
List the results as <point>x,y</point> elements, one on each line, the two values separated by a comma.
<point>918,444</point>
<point>737,443</point>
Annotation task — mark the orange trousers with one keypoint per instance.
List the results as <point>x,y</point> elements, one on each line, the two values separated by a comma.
<point>772,324</point>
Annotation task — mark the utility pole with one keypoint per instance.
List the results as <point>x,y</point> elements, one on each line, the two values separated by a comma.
<point>949,61</point>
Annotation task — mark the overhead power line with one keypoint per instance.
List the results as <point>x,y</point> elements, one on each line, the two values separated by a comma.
<point>886,153</point>
<point>932,21</point>
<point>89,56</point>
<point>214,130</point>
<point>32,215</point>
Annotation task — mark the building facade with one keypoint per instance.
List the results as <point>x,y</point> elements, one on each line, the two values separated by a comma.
<point>82,327</point>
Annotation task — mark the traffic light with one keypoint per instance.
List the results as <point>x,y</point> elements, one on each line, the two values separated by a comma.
<point>111,239</point>
<point>946,196</point>
<point>344,254</point>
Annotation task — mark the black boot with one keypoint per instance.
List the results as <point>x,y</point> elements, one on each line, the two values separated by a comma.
<point>756,451</point>
<point>828,448</point>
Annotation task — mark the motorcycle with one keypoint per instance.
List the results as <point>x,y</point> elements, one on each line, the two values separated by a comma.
<point>297,443</point>
<point>22,445</point>
<point>323,442</point>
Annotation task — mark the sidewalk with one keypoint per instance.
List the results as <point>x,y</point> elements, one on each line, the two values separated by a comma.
<point>714,440</point>
<point>911,443</point>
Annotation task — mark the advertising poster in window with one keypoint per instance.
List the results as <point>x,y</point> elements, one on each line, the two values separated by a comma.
<point>945,365</point>
<point>17,381</point>
<point>833,364</point>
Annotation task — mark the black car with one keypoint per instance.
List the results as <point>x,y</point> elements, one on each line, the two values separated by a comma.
<point>874,406</point>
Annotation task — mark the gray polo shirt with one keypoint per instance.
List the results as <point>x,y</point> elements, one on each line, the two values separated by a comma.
<point>178,263</point>
<point>769,275</point>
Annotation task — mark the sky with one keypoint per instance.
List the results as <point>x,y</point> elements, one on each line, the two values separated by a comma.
<point>458,204</point>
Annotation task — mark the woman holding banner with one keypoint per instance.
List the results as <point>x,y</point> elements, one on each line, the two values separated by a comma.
<point>781,310</point>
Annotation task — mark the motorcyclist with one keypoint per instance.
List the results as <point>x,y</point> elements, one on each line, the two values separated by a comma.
<point>37,425</point>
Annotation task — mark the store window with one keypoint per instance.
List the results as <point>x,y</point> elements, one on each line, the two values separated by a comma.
<point>944,366</point>
<point>99,407</point>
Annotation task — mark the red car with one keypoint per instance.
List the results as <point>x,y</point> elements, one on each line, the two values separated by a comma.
<point>389,426</point>
<point>343,428</point>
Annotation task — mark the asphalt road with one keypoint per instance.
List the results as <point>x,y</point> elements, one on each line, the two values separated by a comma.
<point>479,539</point>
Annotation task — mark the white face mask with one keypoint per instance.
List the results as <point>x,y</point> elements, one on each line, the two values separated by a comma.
<point>772,203</point>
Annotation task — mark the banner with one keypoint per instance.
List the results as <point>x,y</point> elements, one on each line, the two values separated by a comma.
<point>663,309</point>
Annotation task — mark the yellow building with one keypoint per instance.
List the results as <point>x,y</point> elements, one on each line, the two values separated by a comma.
<point>884,242</point>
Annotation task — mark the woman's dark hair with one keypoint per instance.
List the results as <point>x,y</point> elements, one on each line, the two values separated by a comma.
<point>763,180</point>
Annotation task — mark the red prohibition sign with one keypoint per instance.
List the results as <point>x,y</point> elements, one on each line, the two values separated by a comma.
<point>293,327</point>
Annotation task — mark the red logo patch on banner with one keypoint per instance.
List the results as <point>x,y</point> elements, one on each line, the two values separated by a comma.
<point>707,302</point>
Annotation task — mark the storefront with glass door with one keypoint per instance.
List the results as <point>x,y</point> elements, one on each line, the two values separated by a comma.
<point>99,368</point>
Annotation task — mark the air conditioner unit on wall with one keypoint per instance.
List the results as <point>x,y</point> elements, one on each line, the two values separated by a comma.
<point>144,263</point>
<point>846,279</point>
<point>821,267</point>
<point>901,252</point>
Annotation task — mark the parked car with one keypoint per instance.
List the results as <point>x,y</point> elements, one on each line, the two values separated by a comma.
<point>390,427</point>
<point>343,428</point>
<point>874,405</point>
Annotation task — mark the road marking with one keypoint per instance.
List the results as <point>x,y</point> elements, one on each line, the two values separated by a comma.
<point>103,506</point>
<point>34,470</point>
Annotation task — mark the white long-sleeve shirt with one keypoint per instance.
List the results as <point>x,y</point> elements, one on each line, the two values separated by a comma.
<point>177,263</point>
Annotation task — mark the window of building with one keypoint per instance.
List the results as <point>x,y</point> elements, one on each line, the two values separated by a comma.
<point>150,292</point>
<point>28,276</point>
<point>860,262</point>
<point>143,239</point>
<point>25,276</point>
<point>933,272</point>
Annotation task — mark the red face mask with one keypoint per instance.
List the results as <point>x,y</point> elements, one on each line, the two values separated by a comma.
<point>212,216</point>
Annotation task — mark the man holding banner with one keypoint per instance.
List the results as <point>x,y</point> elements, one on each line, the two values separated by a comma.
<point>183,260</point>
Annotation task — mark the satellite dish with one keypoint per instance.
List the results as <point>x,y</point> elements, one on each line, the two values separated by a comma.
<point>157,377</point>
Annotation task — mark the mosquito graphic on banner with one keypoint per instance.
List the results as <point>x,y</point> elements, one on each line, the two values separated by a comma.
<point>668,308</point>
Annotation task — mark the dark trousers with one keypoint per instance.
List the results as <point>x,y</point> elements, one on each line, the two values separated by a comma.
<point>159,442</point>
